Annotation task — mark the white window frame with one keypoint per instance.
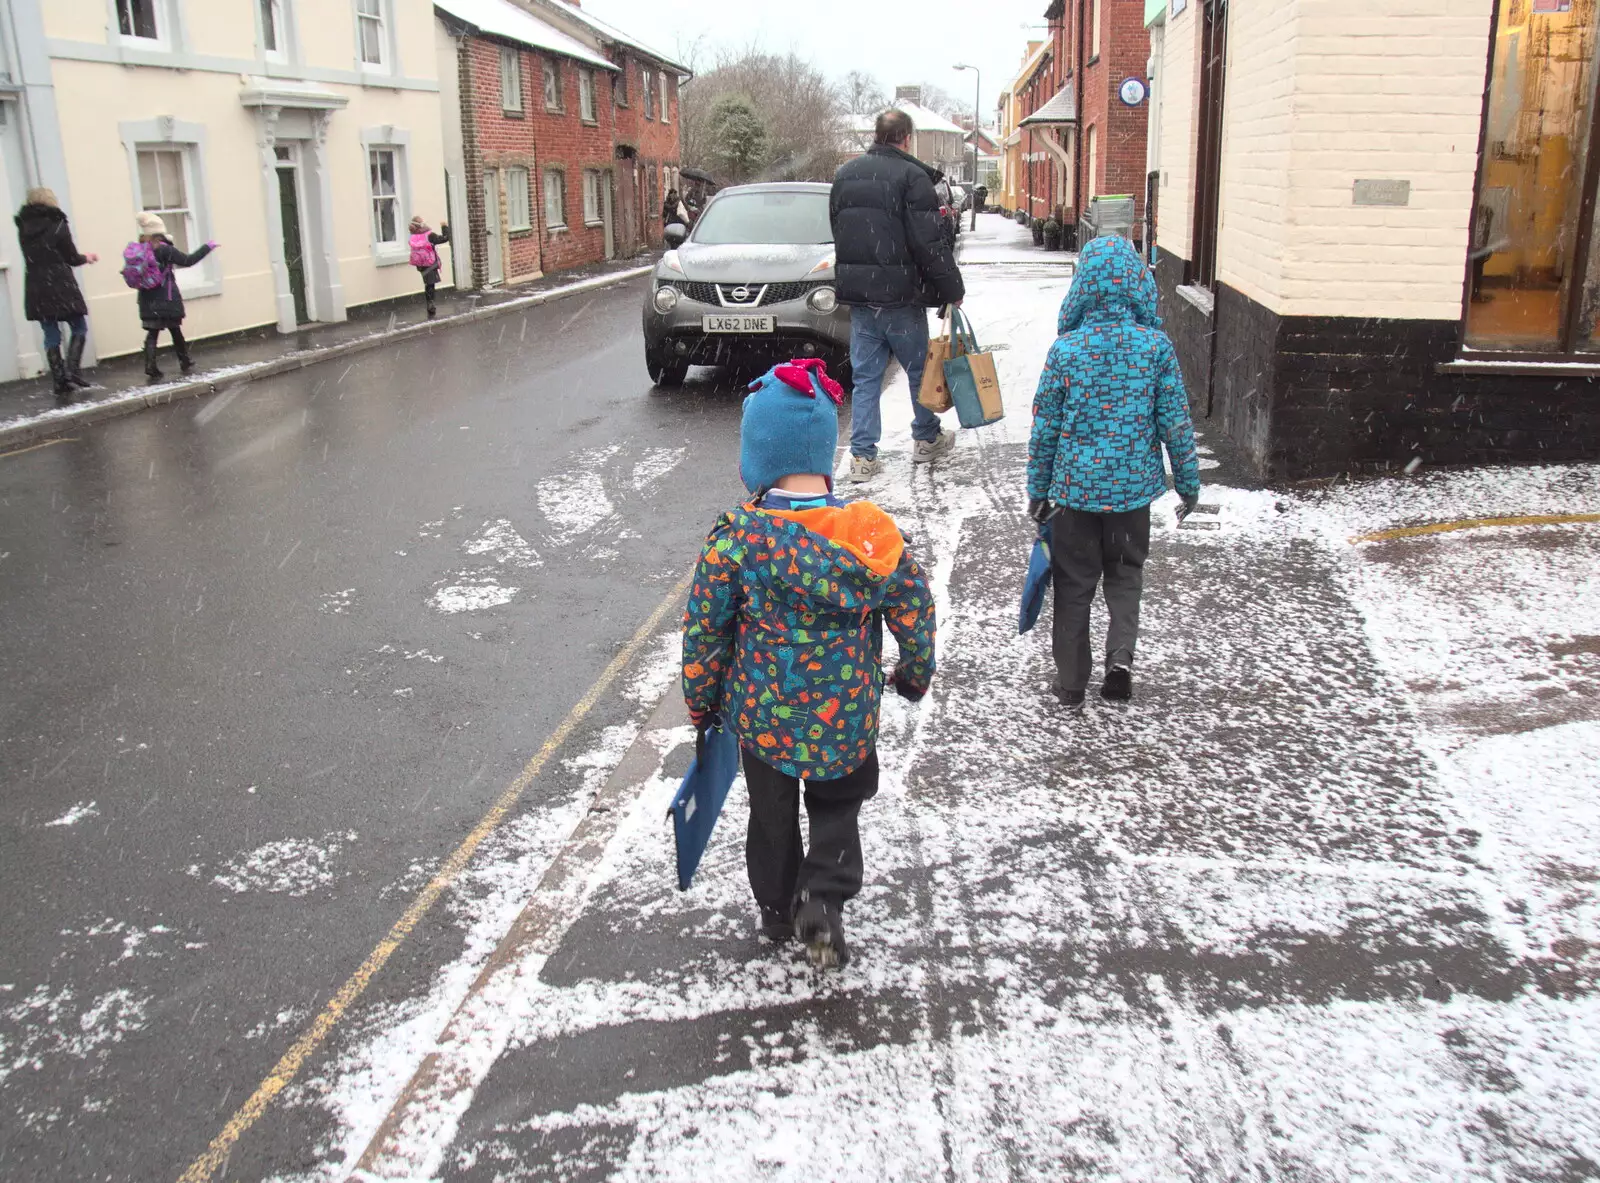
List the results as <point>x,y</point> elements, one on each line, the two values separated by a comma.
<point>387,48</point>
<point>511,79</point>
<point>518,220</point>
<point>666,101</point>
<point>647,91</point>
<point>283,28</point>
<point>550,71</point>
<point>588,109</point>
<point>591,197</point>
<point>169,28</point>
<point>1094,44</point>
<point>561,175</point>
<point>387,138</point>
<point>165,132</point>
<point>619,85</point>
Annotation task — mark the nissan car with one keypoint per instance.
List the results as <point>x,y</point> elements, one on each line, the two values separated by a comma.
<point>751,285</point>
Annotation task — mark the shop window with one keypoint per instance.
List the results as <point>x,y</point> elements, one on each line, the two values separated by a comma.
<point>1533,277</point>
<point>1208,157</point>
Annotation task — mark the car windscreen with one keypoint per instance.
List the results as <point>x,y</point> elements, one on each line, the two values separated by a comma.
<point>769,219</point>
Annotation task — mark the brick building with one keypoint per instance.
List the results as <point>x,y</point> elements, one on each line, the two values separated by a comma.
<point>559,136</point>
<point>1362,265</point>
<point>1085,103</point>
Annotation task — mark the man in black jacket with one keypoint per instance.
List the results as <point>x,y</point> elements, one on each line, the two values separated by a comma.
<point>893,265</point>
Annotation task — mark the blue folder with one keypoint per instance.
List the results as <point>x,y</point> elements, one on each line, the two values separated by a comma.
<point>699,801</point>
<point>1037,583</point>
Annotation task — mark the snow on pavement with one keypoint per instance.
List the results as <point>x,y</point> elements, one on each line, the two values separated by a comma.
<point>1320,903</point>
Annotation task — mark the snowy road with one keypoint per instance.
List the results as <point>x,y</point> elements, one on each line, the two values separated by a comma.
<point>1323,903</point>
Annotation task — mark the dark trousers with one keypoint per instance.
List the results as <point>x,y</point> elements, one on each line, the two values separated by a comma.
<point>1084,549</point>
<point>780,868</point>
<point>430,280</point>
<point>152,339</point>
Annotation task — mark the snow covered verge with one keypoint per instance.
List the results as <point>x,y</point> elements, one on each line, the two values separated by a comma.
<point>1323,902</point>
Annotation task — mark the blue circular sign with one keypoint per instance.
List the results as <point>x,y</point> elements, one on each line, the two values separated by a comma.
<point>1133,91</point>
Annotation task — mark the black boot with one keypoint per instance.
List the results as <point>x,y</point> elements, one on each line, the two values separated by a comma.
<point>75,362</point>
<point>181,347</point>
<point>150,356</point>
<point>1118,685</point>
<point>819,923</point>
<point>58,371</point>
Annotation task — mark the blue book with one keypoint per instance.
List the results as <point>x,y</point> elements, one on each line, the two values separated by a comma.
<point>699,801</point>
<point>1037,582</point>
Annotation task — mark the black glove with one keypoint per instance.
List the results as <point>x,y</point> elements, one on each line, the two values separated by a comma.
<point>1189,501</point>
<point>1041,510</point>
<point>710,721</point>
<point>905,689</point>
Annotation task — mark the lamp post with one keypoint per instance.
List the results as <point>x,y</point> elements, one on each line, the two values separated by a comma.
<point>977,123</point>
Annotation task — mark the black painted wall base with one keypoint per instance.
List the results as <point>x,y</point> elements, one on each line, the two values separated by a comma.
<point>1310,396</point>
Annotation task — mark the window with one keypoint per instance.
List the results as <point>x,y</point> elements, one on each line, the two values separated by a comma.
<point>383,168</point>
<point>654,196</point>
<point>137,18</point>
<point>1533,269</point>
<point>164,190</point>
<point>586,96</point>
<point>591,196</point>
<point>647,89</point>
<point>666,103</point>
<point>552,85</point>
<point>621,84</point>
<point>1094,160</point>
<point>555,199</point>
<point>1208,156</point>
<point>1094,31</point>
<point>519,208</point>
<point>370,32</point>
<point>272,27</point>
<point>510,79</point>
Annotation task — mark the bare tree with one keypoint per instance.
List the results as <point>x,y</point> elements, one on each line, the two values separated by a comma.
<point>800,109</point>
<point>862,94</point>
<point>937,98</point>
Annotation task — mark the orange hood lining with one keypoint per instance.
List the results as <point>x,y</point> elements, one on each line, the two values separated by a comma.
<point>861,528</point>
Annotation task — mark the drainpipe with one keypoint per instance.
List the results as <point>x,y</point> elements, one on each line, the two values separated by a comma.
<point>1077,154</point>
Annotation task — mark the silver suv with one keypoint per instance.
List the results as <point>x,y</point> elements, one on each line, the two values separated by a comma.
<point>751,285</point>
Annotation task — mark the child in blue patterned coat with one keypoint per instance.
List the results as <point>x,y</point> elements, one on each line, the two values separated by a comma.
<point>1110,399</point>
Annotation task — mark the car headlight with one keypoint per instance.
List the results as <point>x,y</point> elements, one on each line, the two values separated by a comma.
<point>666,298</point>
<point>823,299</point>
<point>827,263</point>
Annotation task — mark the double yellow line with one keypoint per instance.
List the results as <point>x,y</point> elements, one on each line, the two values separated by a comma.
<point>1553,519</point>
<point>284,1072</point>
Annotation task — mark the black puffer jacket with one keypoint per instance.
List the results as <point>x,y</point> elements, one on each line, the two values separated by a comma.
<point>50,291</point>
<point>161,307</point>
<point>890,247</point>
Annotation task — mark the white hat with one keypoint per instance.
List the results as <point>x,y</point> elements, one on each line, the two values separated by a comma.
<point>151,224</point>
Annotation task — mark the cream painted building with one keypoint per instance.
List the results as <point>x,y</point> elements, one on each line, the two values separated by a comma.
<point>1365,257</point>
<point>298,134</point>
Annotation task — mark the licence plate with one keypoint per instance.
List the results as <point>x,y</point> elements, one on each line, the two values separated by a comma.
<point>740,323</point>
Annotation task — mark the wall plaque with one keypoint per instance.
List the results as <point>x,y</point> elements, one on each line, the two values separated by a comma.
<point>1382,193</point>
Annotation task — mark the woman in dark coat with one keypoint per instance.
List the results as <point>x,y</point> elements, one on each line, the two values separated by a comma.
<point>50,290</point>
<point>161,307</point>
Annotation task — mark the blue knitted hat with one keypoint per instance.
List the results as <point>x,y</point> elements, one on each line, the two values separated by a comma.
<point>790,425</point>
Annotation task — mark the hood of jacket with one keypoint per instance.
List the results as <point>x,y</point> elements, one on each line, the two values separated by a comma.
<point>1112,284</point>
<point>37,221</point>
<point>835,557</point>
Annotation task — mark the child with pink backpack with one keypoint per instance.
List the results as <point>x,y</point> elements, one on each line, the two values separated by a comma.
<point>425,256</point>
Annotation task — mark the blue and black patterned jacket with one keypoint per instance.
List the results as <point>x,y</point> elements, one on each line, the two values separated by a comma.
<point>1111,395</point>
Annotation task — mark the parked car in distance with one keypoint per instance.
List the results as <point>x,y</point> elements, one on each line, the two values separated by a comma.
<point>949,220</point>
<point>752,284</point>
<point>963,198</point>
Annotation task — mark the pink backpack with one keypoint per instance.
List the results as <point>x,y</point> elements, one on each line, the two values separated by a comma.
<point>423,254</point>
<point>140,269</point>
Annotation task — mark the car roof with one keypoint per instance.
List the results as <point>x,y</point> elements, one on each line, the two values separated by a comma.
<point>779,187</point>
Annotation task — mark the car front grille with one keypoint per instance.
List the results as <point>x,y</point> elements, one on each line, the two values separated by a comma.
<point>775,293</point>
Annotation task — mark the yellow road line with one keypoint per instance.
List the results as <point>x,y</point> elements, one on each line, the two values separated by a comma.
<point>1553,519</point>
<point>71,439</point>
<point>283,1073</point>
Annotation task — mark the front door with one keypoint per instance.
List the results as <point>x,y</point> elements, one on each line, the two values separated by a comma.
<point>493,241</point>
<point>294,252</point>
<point>605,214</point>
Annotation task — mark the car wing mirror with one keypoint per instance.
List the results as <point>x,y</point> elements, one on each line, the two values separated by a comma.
<point>675,233</point>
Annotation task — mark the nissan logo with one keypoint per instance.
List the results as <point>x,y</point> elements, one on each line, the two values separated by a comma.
<point>740,295</point>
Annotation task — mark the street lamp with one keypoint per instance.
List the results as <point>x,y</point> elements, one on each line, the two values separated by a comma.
<point>977,90</point>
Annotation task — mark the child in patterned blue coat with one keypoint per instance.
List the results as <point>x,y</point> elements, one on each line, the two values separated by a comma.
<point>1110,399</point>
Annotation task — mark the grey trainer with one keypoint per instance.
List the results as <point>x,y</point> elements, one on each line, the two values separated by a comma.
<point>863,470</point>
<point>927,451</point>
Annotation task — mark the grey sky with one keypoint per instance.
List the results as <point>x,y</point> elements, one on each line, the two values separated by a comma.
<point>896,42</point>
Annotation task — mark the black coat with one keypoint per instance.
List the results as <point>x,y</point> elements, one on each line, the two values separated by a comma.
<point>887,236</point>
<point>50,291</point>
<point>161,307</point>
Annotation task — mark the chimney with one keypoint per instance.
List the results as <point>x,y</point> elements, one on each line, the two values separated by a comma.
<point>910,94</point>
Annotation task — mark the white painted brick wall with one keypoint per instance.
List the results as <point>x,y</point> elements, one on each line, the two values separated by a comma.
<point>1321,93</point>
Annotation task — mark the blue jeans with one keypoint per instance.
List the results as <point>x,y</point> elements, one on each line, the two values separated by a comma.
<point>875,334</point>
<point>52,330</point>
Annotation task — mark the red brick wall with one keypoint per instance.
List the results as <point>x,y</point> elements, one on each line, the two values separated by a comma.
<point>536,139</point>
<point>645,146</point>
